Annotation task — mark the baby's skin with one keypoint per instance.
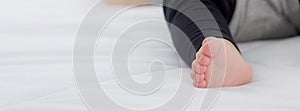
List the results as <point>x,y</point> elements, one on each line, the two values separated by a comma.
<point>238,72</point>
<point>211,57</point>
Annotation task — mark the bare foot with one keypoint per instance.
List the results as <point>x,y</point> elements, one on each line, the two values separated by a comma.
<point>214,60</point>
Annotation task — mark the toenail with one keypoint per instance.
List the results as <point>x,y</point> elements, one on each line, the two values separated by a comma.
<point>197,80</point>
<point>198,68</point>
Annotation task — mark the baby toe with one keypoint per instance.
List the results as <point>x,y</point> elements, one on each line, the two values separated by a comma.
<point>202,84</point>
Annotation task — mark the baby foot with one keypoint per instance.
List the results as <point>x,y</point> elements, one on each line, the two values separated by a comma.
<point>214,60</point>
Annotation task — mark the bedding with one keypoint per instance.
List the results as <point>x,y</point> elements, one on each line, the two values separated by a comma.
<point>36,68</point>
<point>265,19</point>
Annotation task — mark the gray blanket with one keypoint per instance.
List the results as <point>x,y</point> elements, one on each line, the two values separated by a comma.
<point>265,19</point>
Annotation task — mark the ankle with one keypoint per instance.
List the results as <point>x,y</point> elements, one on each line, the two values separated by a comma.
<point>230,44</point>
<point>226,42</point>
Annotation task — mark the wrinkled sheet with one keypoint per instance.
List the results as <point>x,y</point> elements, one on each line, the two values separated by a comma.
<point>36,71</point>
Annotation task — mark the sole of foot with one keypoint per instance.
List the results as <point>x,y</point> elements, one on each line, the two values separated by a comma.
<point>219,64</point>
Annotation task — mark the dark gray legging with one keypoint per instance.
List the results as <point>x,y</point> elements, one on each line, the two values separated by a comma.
<point>222,10</point>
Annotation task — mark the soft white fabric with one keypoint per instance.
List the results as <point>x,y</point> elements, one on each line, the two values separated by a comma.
<point>36,44</point>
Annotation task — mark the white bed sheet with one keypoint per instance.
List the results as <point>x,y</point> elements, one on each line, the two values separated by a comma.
<point>36,73</point>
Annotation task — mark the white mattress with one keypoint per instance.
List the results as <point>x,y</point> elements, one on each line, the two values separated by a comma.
<point>36,69</point>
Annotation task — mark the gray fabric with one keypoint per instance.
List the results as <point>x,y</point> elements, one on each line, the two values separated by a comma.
<point>265,19</point>
<point>156,1</point>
